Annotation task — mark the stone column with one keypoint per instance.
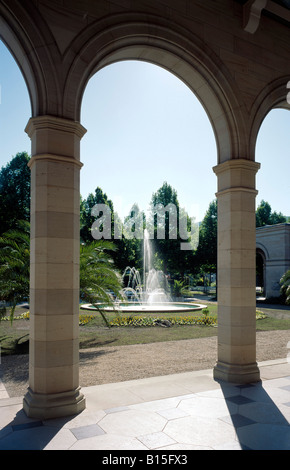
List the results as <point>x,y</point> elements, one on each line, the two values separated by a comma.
<point>54,269</point>
<point>236,272</point>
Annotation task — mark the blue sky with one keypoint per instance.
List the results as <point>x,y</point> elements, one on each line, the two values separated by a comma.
<point>144,127</point>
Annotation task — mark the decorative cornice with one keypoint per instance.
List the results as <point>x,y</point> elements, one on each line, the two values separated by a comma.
<point>237,189</point>
<point>46,157</point>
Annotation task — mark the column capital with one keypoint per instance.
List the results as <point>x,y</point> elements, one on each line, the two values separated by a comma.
<point>236,175</point>
<point>54,123</point>
<point>58,137</point>
<point>236,164</point>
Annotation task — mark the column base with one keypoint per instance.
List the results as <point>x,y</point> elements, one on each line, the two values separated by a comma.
<point>46,406</point>
<point>238,374</point>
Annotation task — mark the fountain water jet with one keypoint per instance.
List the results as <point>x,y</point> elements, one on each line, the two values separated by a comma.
<point>151,296</point>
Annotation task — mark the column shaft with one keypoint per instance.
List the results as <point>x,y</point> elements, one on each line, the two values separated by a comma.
<point>236,272</point>
<point>54,269</point>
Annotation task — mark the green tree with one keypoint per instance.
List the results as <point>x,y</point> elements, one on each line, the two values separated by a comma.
<point>14,266</point>
<point>265,216</point>
<point>127,250</point>
<point>131,252</point>
<point>285,286</point>
<point>165,227</point>
<point>206,254</point>
<point>86,217</point>
<point>14,192</point>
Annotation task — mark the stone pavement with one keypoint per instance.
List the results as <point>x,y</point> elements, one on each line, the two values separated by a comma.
<point>182,412</point>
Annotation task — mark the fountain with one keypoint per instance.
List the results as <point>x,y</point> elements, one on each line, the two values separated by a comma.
<point>151,295</point>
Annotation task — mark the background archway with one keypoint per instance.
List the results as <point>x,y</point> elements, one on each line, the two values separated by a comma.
<point>260,272</point>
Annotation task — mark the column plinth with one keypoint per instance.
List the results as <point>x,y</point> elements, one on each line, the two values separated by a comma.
<point>53,405</point>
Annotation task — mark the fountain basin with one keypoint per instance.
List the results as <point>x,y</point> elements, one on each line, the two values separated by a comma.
<point>134,307</point>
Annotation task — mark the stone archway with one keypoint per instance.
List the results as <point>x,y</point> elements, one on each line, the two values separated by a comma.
<point>273,243</point>
<point>273,96</point>
<point>25,34</point>
<point>176,51</point>
<point>59,47</point>
<point>236,176</point>
<point>55,166</point>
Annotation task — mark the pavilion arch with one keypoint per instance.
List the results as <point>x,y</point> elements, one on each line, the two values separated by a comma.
<point>273,96</point>
<point>57,62</point>
<point>35,65</point>
<point>15,48</point>
<point>201,70</point>
<point>171,49</point>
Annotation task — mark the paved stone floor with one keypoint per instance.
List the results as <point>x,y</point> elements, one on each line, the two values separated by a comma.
<point>188,411</point>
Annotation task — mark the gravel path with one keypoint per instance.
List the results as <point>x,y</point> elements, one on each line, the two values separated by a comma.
<point>116,364</point>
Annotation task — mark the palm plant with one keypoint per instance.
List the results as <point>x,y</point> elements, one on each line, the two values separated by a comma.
<point>14,266</point>
<point>285,286</point>
<point>178,288</point>
<point>100,282</point>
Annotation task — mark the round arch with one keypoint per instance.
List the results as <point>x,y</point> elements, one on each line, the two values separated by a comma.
<point>262,250</point>
<point>56,79</point>
<point>14,46</point>
<point>274,95</point>
<point>27,42</point>
<point>151,41</point>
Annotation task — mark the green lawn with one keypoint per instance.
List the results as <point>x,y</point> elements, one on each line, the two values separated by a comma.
<point>125,335</point>
<point>94,333</point>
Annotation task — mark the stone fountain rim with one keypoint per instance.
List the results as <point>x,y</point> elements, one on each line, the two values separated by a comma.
<point>170,307</point>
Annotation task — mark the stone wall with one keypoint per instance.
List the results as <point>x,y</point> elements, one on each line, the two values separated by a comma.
<point>274,243</point>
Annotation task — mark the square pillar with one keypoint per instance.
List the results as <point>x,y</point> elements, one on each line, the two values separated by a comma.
<point>236,272</point>
<point>54,269</point>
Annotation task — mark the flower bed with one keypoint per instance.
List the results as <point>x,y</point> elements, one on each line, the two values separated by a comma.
<point>140,321</point>
<point>144,321</point>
